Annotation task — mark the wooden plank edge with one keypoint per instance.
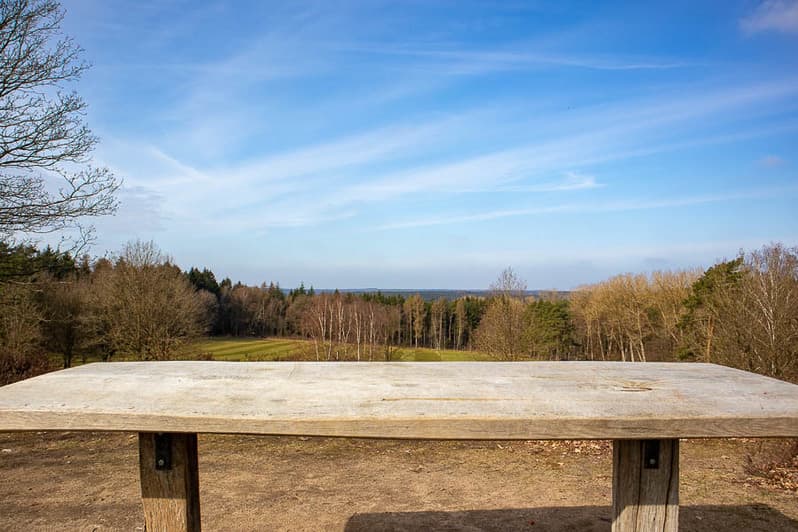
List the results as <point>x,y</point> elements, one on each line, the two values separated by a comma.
<point>432,429</point>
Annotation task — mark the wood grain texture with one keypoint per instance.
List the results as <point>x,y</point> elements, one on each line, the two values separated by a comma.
<point>645,500</point>
<point>454,400</point>
<point>171,497</point>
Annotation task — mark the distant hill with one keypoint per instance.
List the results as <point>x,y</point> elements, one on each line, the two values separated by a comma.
<point>433,294</point>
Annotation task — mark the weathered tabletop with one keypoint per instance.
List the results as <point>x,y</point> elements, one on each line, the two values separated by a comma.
<point>468,400</point>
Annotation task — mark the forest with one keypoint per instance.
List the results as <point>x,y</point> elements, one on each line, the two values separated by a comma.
<point>138,304</point>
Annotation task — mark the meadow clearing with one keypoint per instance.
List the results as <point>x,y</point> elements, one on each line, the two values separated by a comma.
<point>268,349</point>
<point>232,349</point>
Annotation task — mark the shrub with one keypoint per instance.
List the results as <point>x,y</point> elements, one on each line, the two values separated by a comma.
<point>16,367</point>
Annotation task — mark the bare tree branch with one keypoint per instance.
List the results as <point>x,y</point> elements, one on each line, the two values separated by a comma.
<point>46,185</point>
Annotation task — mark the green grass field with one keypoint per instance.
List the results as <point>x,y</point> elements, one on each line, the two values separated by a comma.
<point>242,349</point>
<point>268,349</point>
<point>254,349</point>
<point>423,354</point>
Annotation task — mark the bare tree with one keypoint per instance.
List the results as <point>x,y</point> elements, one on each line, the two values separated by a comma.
<point>438,320</point>
<point>756,319</point>
<point>388,323</point>
<point>620,317</point>
<point>20,334</point>
<point>63,309</point>
<point>500,332</point>
<point>144,306</point>
<point>359,321</point>
<point>460,322</point>
<point>46,184</point>
<point>317,324</point>
<point>670,290</point>
<point>416,314</point>
<point>20,318</point>
<point>509,284</point>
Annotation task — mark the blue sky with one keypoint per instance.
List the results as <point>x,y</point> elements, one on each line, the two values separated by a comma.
<point>430,144</point>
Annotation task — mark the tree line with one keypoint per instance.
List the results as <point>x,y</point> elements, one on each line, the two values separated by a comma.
<point>138,304</point>
<point>340,325</point>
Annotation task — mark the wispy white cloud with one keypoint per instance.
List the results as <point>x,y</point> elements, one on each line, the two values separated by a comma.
<point>597,136</point>
<point>281,215</point>
<point>500,171</point>
<point>572,181</point>
<point>454,60</point>
<point>223,103</point>
<point>330,180</point>
<point>698,252</point>
<point>186,172</point>
<point>140,211</point>
<point>772,161</point>
<point>376,145</point>
<point>772,15</point>
<point>584,208</point>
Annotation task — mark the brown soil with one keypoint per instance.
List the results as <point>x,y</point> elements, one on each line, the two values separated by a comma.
<point>87,481</point>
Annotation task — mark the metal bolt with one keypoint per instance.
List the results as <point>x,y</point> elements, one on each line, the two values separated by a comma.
<point>161,462</point>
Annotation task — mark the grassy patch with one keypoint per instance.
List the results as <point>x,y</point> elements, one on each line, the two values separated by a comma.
<point>424,354</point>
<point>268,349</point>
<point>243,349</point>
<point>252,349</point>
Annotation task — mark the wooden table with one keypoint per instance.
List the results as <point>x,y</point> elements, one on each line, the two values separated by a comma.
<point>644,407</point>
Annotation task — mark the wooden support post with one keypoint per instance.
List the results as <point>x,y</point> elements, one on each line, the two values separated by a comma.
<point>645,486</point>
<point>169,482</point>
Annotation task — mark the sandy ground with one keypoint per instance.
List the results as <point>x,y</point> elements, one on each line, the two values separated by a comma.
<point>86,481</point>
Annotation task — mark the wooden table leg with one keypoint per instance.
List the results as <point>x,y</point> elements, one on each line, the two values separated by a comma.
<point>169,482</point>
<point>645,485</point>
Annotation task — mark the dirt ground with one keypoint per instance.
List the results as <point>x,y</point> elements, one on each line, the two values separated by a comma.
<point>87,481</point>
